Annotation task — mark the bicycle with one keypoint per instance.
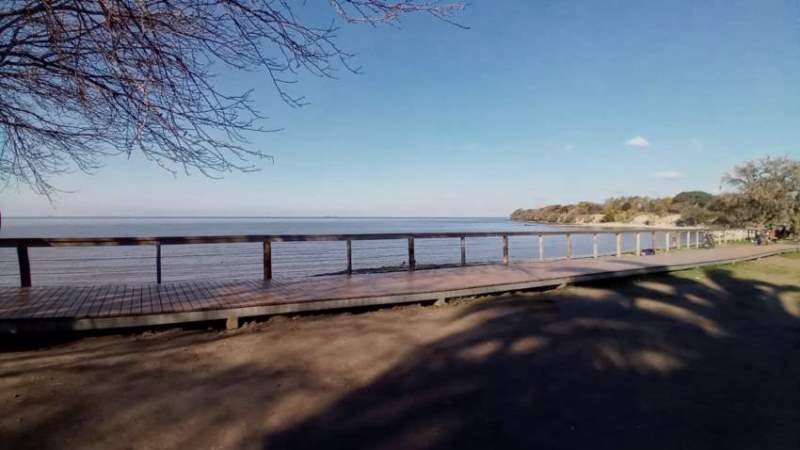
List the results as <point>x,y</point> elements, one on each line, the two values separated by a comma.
<point>709,241</point>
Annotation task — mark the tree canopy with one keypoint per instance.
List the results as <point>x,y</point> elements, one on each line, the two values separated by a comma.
<point>698,198</point>
<point>82,79</point>
<point>768,190</point>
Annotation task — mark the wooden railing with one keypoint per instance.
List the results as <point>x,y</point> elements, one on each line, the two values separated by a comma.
<point>685,237</point>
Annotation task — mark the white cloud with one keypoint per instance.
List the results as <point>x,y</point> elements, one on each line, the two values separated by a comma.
<point>638,142</point>
<point>668,175</point>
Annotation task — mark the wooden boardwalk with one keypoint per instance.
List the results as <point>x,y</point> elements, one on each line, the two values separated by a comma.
<point>118,306</point>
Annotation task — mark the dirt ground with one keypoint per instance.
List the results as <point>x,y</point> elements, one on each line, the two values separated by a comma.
<point>698,359</point>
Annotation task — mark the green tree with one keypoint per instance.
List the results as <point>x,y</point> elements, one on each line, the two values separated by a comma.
<point>693,215</point>
<point>768,191</point>
<point>726,210</point>
<point>697,198</point>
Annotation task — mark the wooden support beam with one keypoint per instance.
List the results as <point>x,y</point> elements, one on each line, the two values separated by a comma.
<point>638,244</point>
<point>618,237</point>
<point>463,251</point>
<point>569,246</point>
<point>594,245</point>
<point>505,250</point>
<point>267,244</point>
<point>24,266</point>
<point>158,263</point>
<point>541,247</point>
<point>412,262</point>
<point>349,257</point>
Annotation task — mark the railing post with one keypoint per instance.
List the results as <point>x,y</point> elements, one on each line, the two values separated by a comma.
<point>505,249</point>
<point>594,245</point>
<point>638,244</point>
<point>349,257</point>
<point>267,245</point>
<point>619,244</point>
<point>463,251</point>
<point>653,242</point>
<point>541,247</point>
<point>666,241</point>
<point>689,239</point>
<point>24,266</point>
<point>697,239</point>
<point>678,241</point>
<point>412,263</point>
<point>158,263</point>
<point>569,246</point>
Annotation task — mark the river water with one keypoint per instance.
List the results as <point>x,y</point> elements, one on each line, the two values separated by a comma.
<point>291,260</point>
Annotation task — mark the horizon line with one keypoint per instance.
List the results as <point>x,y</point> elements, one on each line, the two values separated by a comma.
<point>249,217</point>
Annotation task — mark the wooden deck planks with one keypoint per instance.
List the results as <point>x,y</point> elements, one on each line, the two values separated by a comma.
<point>49,306</point>
<point>148,302</point>
<point>77,309</point>
<point>108,301</point>
<point>68,307</point>
<point>33,300</point>
<point>96,302</point>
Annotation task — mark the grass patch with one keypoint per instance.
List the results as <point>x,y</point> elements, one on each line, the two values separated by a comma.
<point>793,255</point>
<point>784,267</point>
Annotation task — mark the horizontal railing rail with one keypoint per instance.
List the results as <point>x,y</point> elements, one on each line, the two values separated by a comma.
<point>692,238</point>
<point>233,239</point>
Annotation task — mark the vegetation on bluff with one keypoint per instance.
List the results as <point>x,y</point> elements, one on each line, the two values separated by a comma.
<point>764,191</point>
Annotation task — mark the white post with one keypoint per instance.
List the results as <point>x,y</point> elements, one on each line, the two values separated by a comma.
<point>569,245</point>
<point>638,244</point>
<point>666,241</point>
<point>594,245</point>
<point>541,247</point>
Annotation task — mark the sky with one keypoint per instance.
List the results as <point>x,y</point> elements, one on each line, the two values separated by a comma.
<point>538,102</point>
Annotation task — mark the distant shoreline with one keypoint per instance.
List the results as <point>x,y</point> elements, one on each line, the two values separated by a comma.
<point>604,225</point>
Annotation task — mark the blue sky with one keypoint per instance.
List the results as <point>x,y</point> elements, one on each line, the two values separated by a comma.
<point>538,102</point>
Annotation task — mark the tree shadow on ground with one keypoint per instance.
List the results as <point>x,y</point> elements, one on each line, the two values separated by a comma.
<point>660,362</point>
<point>666,362</point>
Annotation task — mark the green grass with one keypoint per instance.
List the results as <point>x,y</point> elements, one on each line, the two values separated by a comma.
<point>781,266</point>
<point>793,255</point>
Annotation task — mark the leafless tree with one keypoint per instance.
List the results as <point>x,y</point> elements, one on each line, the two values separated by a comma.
<point>81,79</point>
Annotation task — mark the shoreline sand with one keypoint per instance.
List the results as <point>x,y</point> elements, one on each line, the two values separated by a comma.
<point>603,225</point>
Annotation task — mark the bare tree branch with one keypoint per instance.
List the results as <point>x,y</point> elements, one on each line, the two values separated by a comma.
<point>82,80</point>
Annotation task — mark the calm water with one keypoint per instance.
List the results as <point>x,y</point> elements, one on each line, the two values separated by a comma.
<point>55,266</point>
